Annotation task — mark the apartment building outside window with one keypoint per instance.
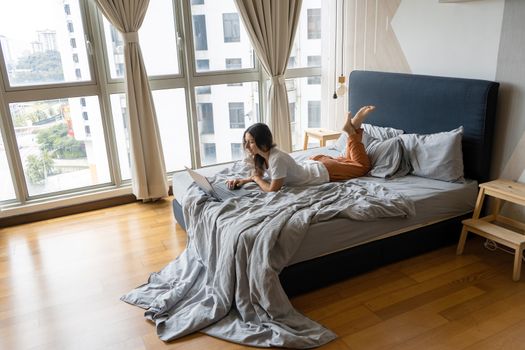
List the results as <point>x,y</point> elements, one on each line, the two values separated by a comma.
<point>205,115</point>
<point>314,23</point>
<point>233,63</point>
<point>199,32</point>
<point>203,65</point>
<point>210,153</point>
<point>236,115</point>
<point>314,61</point>
<point>231,27</point>
<point>314,114</point>
<point>237,152</point>
<point>305,63</point>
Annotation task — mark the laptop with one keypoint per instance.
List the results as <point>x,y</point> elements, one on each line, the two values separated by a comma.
<point>218,190</point>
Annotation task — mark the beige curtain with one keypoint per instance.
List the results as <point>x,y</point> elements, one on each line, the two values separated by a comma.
<point>148,171</point>
<point>271,25</point>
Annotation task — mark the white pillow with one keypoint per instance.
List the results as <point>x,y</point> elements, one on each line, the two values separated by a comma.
<point>377,132</point>
<point>436,156</point>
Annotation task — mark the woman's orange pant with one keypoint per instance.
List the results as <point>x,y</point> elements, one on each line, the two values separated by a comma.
<point>354,164</point>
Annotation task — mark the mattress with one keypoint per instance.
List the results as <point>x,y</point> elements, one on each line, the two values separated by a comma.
<point>434,201</point>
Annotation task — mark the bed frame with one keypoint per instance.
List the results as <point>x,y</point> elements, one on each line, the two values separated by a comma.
<point>415,104</point>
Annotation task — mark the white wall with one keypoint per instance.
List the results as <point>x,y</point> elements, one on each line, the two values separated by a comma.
<point>454,39</point>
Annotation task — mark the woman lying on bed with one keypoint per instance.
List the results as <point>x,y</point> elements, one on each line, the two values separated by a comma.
<point>284,170</point>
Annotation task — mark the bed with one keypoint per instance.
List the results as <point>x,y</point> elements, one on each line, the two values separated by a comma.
<point>415,104</point>
<point>429,141</point>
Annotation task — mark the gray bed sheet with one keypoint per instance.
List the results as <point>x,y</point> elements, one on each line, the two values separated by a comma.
<point>434,200</point>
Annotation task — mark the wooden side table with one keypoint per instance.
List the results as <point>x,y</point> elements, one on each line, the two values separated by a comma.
<point>320,134</point>
<point>512,235</point>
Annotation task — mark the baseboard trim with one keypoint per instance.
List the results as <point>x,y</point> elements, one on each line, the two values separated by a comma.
<point>68,210</point>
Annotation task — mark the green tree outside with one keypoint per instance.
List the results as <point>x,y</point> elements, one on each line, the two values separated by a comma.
<point>39,67</point>
<point>56,141</point>
<point>39,167</point>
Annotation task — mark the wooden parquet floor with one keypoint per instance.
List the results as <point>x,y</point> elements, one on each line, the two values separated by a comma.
<point>61,279</point>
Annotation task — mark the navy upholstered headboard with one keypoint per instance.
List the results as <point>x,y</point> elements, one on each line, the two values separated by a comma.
<point>428,104</point>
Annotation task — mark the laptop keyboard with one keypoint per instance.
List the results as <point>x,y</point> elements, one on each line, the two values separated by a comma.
<point>222,192</point>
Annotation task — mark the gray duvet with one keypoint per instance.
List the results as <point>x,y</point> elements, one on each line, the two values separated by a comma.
<point>226,282</point>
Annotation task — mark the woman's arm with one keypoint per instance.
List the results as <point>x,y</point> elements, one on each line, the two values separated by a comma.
<point>273,186</point>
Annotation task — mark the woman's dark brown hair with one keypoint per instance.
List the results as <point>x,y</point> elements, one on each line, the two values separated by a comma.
<point>263,139</point>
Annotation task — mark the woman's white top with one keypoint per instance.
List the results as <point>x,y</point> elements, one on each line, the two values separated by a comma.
<point>308,172</point>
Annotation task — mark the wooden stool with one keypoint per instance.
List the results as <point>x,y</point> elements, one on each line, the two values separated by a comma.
<point>322,135</point>
<point>501,190</point>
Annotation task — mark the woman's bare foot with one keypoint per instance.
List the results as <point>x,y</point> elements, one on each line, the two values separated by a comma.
<point>354,123</point>
<point>361,115</point>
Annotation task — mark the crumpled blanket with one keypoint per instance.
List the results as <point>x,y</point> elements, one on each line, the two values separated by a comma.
<point>226,283</point>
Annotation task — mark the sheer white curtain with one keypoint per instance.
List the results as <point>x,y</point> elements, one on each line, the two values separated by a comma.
<point>271,25</point>
<point>148,171</point>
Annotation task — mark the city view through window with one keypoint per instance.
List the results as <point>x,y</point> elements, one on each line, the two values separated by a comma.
<point>63,139</point>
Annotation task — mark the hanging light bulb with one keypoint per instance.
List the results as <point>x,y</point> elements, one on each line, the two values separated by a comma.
<point>341,89</point>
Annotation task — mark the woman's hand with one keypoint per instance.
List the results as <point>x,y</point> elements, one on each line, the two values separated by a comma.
<point>237,183</point>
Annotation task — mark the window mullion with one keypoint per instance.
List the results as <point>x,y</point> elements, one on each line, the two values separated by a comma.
<point>101,76</point>
<point>189,69</point>
<point>11,147</point>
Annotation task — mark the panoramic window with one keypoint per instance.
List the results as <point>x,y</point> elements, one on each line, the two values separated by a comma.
<point>215,45</point>
<point>305,63</point>
<point>59,149</point>
<point>158,59</point>
<point>304,107</point>
<point>39,49</point>
<point>307,41</point>
<point>223,120</point>
<point>173,127</point>
<point>70,124</point>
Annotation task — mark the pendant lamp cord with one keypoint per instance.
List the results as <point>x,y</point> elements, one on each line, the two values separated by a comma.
<point>342,35</point>
<point>335,53</point>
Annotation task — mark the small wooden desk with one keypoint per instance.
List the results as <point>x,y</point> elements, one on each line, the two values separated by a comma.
<point>321,134</point>
<point>512,234</point>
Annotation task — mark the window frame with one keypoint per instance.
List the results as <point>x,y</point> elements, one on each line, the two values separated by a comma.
<point>103,86</point>
<point>39,92</point>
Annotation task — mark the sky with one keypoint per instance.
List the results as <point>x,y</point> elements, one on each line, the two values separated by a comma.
<point>36,14</point>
